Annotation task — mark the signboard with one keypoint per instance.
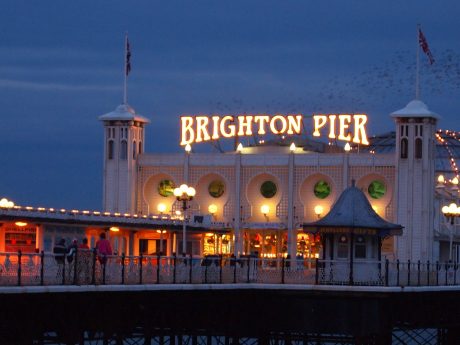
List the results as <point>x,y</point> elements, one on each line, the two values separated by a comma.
<point>201,128</point>
<point>20,238</point>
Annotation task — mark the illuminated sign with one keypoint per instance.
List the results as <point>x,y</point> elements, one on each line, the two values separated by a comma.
<point>200,128</point>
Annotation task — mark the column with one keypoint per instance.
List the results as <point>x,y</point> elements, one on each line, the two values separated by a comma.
<point>237,211</point>
<point>292,235</point>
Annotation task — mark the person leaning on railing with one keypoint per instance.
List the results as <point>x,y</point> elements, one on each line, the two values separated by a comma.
<point>84,261</point>
<point>59,252</point>
<point>103,249</point>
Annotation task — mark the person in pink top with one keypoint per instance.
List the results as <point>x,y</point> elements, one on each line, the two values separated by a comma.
<point>103,248</point>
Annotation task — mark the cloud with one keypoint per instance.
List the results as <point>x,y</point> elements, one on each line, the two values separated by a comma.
<point>40,86</point>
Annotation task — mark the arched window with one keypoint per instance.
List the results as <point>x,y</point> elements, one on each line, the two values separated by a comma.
<point>418,148</point>
<point>124,150</point>
<point>134,149</point>
<point>110,149</point>
<point>140,147</point>
<point>404,148</point>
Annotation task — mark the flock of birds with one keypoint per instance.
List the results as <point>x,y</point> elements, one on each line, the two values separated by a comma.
<point>392,81</point>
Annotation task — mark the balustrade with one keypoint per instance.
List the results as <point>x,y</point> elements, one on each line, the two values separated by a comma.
<point>85,268</point>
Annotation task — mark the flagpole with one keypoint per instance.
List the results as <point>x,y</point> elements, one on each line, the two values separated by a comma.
<point>417,68</point>
<point>125,94</point>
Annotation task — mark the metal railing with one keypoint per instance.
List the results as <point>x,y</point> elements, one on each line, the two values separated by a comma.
<point>85,267</point>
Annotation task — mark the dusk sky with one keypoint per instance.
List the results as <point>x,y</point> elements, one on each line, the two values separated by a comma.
<point>61,66</point>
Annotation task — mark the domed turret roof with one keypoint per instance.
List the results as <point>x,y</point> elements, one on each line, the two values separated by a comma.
<point>123,112</point>
<point>415,108</point>
<point>352,210</point>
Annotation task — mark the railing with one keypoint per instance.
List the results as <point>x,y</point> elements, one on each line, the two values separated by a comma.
<point>85,267</point>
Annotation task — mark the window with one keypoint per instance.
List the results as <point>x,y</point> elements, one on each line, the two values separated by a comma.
<point>342,247</point>
<point>376,189</point>
<point>360,247</point>
<point>134,149</point>
<point>140,148</point>
<point>124,150</point>
<point>268,189</point>
<point>404,148</point>
<point>418,148</point>
<point>166,188</point>
<point>322,189</point>
<point>216,188</point>
<point>110,149</point>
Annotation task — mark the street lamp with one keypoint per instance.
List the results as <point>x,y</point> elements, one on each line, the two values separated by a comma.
<point>451,212</point>
<point>212,209</point>
<point>265,209</point>
<point>184,193</point>
<point>319,210</point>
<point>161,208</point>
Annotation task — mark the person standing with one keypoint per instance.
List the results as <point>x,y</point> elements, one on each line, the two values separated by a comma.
<point>103,248</point>
<point>60,251</point>
<point>71,250</point>
<point>84,261</point>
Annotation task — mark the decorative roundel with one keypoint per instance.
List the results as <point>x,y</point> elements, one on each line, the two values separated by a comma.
<point>268,189</point>
<point>166,188</point>
<point>343,239</point>
<point>216,188</point>
<point>322,189</point>
<point>377,189</point>
<point>360,239</point>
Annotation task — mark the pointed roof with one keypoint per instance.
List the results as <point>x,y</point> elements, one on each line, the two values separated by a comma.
<point>353,211</point>
<point>124,112</point>
<point>415,108</point>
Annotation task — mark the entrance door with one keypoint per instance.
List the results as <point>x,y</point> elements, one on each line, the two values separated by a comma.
<point>151,246</point>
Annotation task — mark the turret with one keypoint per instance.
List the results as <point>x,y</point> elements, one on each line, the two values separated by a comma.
<point>415,185</point>
<point>123,142</point>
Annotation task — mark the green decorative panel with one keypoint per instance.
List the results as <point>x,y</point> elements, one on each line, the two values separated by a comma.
<point>166,188</point>
<point>322,189</point>
<point>377,189</point>
<point>216,188</point>
<point>268,189</point>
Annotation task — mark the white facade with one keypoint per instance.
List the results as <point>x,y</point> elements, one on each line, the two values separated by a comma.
<point>415,185</point>
<point>133,185</point>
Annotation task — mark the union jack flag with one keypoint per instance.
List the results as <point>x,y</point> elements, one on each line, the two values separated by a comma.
<point>424,45</point>
<point>128,57</point>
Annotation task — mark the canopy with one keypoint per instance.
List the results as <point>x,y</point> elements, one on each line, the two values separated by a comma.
<point>352,212</point>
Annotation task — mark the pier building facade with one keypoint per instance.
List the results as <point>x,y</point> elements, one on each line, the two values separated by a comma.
<point>262,194</point>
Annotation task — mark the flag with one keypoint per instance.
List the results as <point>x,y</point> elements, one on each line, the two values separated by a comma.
<point>128,57</point>
<point>424,45</point>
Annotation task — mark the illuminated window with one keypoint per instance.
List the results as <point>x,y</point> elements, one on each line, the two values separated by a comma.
<point>322,189</point>
<point>404,148</point>
<point>110,149</point>
<point>360,247</point>
<point>377,189</point>
<point>216,188</point>
<point>124,150</point>
<point>418,148</point>
<point>268,189</point>
<point>166,188</point>
<point>342,247</point>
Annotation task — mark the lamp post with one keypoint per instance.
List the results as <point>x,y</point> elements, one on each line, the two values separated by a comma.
<point>161,232</point>
<point>185,194</point>
<point>451,212</point>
